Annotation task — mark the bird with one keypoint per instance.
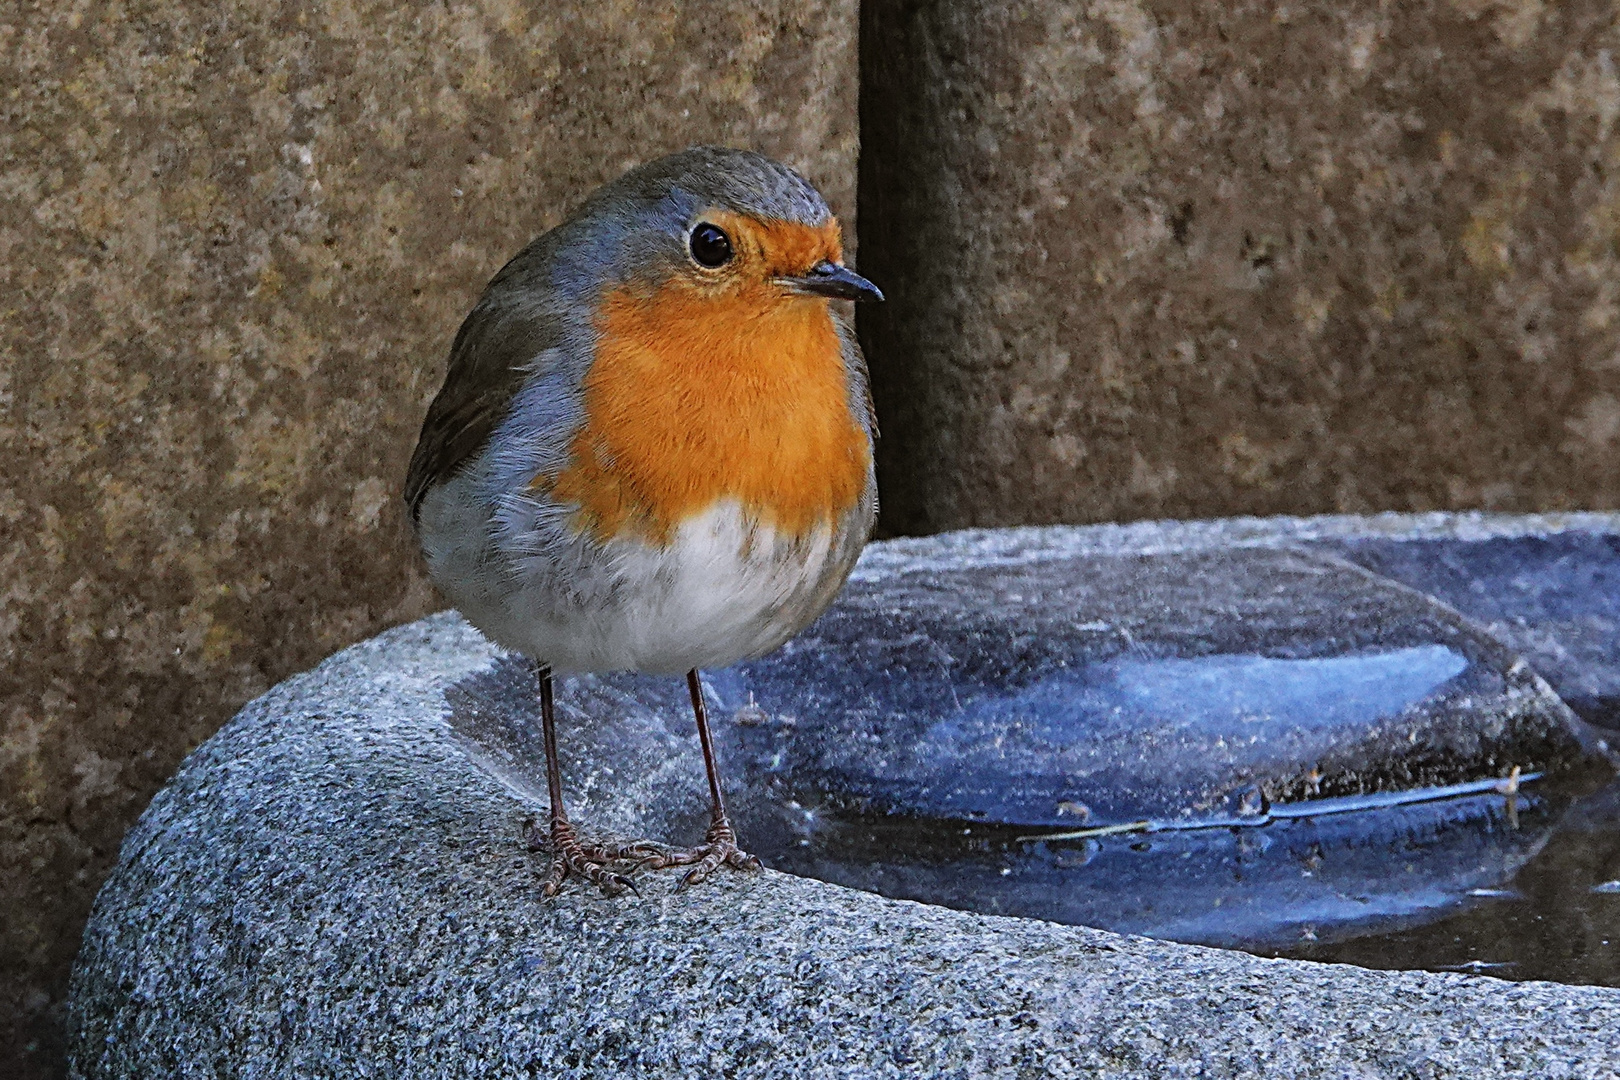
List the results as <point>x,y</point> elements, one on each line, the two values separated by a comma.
<point>653,452</point>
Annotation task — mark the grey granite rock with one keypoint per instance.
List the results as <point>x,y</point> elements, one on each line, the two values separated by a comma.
<point>334,885</point>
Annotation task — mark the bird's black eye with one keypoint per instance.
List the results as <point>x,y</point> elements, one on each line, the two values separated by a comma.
<point>711,246</point>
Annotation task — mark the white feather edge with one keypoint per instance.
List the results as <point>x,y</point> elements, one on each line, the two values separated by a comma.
<point>723,589</point>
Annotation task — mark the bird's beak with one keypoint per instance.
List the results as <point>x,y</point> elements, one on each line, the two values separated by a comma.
<point>828,278</point>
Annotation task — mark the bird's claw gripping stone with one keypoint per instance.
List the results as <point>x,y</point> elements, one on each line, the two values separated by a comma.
<point>718,849</point>
<point>591,861</point>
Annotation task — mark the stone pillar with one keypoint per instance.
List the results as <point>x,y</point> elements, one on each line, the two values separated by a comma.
<point>235,241</point>
<point>1155,258</point>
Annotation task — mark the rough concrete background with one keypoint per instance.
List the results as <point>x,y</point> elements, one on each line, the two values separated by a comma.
<point>1150,258</point>
<point>337,880</point>
<point>235,241</point>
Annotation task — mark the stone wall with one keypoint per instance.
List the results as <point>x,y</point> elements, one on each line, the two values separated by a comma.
<point>1150,258</point>
<point>237,238</point>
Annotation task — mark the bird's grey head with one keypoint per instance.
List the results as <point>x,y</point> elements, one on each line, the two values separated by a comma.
<point>716,219</point>
<point>738,181</point>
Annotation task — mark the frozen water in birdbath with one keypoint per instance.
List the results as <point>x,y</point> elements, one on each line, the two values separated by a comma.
<point>1250,746</point>
<point>925,730</point>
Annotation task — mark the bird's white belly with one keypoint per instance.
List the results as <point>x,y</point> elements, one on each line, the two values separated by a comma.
<point>723,588</point>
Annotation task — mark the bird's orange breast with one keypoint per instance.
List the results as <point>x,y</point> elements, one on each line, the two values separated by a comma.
<point>694,398</point>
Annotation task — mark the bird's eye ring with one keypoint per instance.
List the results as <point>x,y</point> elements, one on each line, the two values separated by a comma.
<point>710,245</point>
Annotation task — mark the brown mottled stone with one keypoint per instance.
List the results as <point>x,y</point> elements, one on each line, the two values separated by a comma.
<point>235,241</point>
<point>1165,259</point>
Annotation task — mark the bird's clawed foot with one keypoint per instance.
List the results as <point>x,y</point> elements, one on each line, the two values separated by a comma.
<point>593,862</point>
<point>720,847</point>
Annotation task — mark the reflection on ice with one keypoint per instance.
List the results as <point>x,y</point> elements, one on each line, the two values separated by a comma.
<point>1326,691</point>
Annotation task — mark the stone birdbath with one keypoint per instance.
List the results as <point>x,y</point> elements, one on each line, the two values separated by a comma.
<point>1274,735</point>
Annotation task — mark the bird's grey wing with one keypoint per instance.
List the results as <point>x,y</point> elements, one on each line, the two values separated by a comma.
<point>492,358</point>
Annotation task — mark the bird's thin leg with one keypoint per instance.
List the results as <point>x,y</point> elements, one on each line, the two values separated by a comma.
<point>568,853</point>
<point>720,844</point>
<point>719,823</point>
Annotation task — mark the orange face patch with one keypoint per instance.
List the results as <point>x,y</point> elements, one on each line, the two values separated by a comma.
<point>781,247</point>
<point>704,391</point>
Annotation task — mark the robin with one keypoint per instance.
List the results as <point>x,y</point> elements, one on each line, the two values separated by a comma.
<point>653,449</point>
